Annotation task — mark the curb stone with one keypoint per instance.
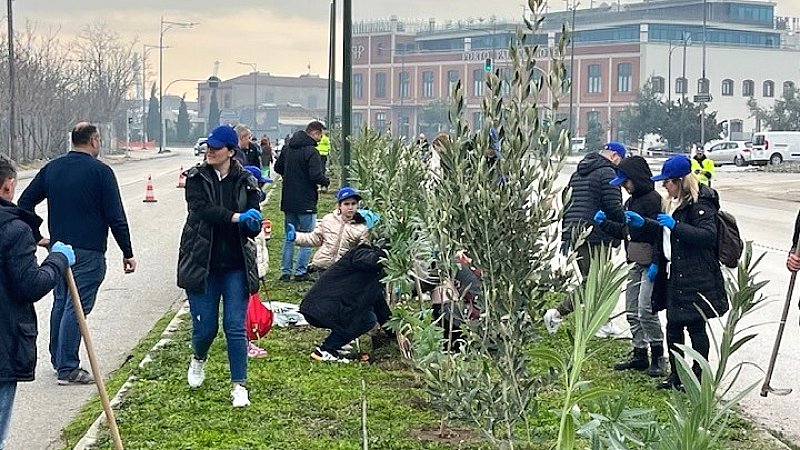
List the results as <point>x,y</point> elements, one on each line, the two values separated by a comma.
<point>89,439</point>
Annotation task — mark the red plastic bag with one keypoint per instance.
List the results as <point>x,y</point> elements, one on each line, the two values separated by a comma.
<point>259,318</point>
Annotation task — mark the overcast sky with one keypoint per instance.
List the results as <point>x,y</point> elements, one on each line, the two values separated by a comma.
<point>282,37</point>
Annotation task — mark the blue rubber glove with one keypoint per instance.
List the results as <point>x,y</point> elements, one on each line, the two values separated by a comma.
<point>665,220</point>
<point>250,214</point>
<point>599,217</point>
<point>291,234</point>
<point>66,250</point>
<point>634,219</point>
<point>652,271</point>
<point>370,217</point>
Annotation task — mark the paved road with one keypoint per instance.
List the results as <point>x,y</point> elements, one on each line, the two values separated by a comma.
<point>128,306</point>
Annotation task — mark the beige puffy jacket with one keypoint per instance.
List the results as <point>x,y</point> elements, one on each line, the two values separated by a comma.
<point>334,237</point>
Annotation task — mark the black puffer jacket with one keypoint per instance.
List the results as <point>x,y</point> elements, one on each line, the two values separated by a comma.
<point>348,290</point>
<point>206,210</point>
<point>22,282</point>
<point>644,200</point>
<point>301,167</point>
<point>695,270</point>
<point>591,193</point>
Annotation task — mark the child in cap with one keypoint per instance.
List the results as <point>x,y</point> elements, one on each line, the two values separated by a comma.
<point>338,232</point>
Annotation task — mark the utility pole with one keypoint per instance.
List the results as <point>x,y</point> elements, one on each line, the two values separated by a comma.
<point>169,25</point>
<point>704,82</point>
<point>12,115</point>
<point>332,68</point>
<point>684,88</point>
<point>347,84</point>
<point>572,71</point>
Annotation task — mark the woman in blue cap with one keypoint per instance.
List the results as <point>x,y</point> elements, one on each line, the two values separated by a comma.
<point>685,269</point>
<point>217,256</point>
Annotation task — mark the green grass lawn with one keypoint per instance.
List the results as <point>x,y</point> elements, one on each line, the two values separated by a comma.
<point>301,404</point>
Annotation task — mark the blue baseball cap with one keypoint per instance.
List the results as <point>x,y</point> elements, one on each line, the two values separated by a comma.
<point>347,192</point>
<point>223,136</point>
<point>675,167</point>
<point>617,148</point>
<point>257,174</point>
<point>621,178</point>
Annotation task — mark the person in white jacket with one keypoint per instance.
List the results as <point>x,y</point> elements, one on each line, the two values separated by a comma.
<point>338,232</point>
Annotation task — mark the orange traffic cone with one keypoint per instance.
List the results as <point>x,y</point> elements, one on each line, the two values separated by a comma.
<point>149,196</point>
<point>181,179</point>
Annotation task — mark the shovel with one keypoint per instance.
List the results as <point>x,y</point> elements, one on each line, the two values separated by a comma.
<point>96,373</point>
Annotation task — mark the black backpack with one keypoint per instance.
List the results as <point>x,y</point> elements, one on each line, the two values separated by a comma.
<point>729,242</point>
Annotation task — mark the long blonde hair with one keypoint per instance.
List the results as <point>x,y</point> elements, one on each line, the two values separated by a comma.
<point>689,192</point>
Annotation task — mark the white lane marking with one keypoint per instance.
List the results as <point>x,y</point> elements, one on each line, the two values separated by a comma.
<point>139,180</point>
<point>771,249</point>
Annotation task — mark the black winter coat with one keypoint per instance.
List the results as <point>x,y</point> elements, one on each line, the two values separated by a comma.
<point>591,193</point>
<point>22,282</point>
<point>348,290</point>
<point>695,269</point>
<point>644,200</point>
<point>301,167</point>
<point>206,210</point>
<point>253,154</point>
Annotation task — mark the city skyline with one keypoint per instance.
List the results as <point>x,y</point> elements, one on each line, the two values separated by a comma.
<point>282,38</point>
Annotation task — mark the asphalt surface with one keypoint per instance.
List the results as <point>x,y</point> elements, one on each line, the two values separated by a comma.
<point>129,305</point>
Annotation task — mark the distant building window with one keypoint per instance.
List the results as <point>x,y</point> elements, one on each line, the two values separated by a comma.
<point>703,86</point>
<point>312,102</point>
<point>358,85</point>
<point>769,88</point>
<point>593,117</point>
<point>681,85</point>
<point>226,101</point>
<point>657,84</point>
<point>624,76</point>
<point>452,79</point>
<point>727,87</point>
<point>404,86</point>
<point>748,88</point>
<point>380,121</point>
<point>478,82</point>
<point>358,120</point>
<point>427,84</point>
<point>595,79</point>
<point>477,120</point>
<point>788,88</point>
<point>380,85</point>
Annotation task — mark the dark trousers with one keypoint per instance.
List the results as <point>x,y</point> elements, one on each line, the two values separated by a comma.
<point>339,336</point>
<point>675,335</point>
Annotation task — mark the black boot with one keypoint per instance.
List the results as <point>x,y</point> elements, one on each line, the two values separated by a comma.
<point>671,382</point>
<point>656,361</point>
<point>637,361</point>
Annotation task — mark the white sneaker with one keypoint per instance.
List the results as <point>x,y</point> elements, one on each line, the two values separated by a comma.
<point>196,373</point>
<point>609,330</point>
<point>323,356</point>
<point>239,396</point>
<point>552,320</point>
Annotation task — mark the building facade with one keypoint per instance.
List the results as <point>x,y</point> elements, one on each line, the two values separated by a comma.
<point>281,102</point>
<point>403,71</point>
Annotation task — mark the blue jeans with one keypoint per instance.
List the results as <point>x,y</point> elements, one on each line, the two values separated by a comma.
<point>7,391</point>
<point>65,335</point>
<point>301,222</point>
<point>232,286</point>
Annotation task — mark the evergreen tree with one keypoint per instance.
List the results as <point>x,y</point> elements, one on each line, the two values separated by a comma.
<point>152,116</point>
<point>647,115</point>
<point>213,111</point>
<point>183,126</point>
<point>594,136</point>
<point>784,114</point>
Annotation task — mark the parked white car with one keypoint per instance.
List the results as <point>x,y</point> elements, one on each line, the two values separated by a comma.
<point>775,147</point>
<point>730,152</point>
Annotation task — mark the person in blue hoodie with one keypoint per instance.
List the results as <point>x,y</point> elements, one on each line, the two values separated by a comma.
<point>22,282</point>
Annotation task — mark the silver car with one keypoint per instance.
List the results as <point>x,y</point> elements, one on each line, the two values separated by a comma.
<point>730,152</point>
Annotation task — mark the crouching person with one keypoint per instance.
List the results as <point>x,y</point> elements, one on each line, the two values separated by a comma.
<point>348,299</point>
<point>22,282</point>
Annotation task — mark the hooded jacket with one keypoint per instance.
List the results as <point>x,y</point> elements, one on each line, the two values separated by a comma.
<point>334,237</point>
<point>644,200</point>
<point>301,167</point>
<point>347,291</point>
<point>22,282</point>
<point>591,193</point>
<point>206,209</point>
<point>694,272</point>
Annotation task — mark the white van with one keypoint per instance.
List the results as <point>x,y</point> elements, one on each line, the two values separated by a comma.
<point>774,147</point>
<point>578,144</point>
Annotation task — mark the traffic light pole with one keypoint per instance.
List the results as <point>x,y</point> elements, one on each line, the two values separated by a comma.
<point>347,84</point>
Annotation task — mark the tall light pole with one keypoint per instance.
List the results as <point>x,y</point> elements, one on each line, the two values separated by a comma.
<point>347,84</point>
<point>12,124</point>
<point>704,83</point>
<point>332,68</point>
<point>684,84</point>
<point>166,25</point>
<point>254,66</point>
<point>572,68</point>
<point>145,50</point>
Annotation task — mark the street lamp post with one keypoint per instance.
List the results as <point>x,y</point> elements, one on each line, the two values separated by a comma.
<point>572,68</point>
<point>347,84</point>
<point>165,26</point>
<point>254,66</point>
<point>704,83</point>
<point>684,85</point>
<point>12,128</point>
<point>145,50</point>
